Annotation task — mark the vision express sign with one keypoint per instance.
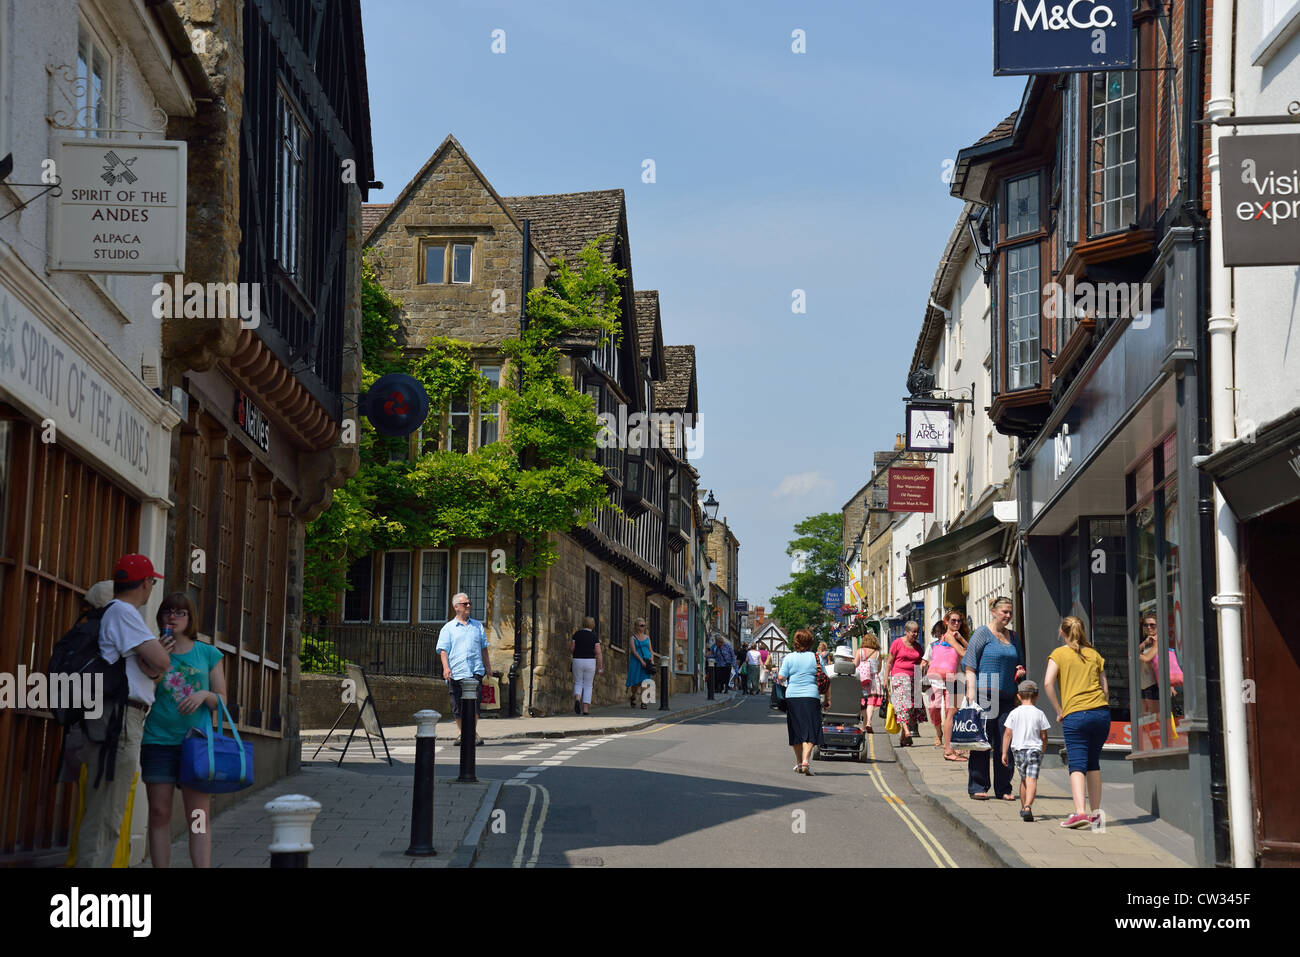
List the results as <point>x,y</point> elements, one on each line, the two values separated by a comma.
<point>1070,36</point>
<point>1261,200</point>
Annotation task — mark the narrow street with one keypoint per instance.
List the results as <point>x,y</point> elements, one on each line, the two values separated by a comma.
<point>714,790</point>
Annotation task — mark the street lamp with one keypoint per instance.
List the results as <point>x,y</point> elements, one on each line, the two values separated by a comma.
<point>710,512</point>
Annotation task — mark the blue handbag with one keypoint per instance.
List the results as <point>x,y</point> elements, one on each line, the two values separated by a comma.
<point>968,728</point>
<point>212,762</point>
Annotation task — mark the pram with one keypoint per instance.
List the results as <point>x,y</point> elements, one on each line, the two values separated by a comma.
<point>841,736</point>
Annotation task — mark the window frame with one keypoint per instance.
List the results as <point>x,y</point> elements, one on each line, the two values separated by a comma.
<point>418,574</point>
<point>370,592</point>
<point>288,110</point>
<point>449,246</point>
<point>1090,186</point>
<point>383,587</point>
<point>1036,298</point>
<point>1035,174</point>
<point>616,621</point>
<point>460,579</point>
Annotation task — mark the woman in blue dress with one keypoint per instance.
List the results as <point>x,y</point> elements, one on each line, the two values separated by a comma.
<point>639,662</point>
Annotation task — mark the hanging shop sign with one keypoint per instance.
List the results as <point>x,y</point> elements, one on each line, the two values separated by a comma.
<point>929,427</point>
<point>832,598</point>
<point>1261,200</point>
<point>1065,36</point>
<point>911,490</point>
<point>122,206</point>
<point>742,607</point>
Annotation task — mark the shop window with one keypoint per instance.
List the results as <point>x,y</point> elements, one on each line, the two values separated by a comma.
<point>396,602</point>
<point>356,600</point>
<point>1114,142</point>
<point>434,600</point>
<point>472,580</point>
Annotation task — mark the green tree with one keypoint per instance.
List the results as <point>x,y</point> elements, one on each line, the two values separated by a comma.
<point>816,550</point>
<point>541,477</point>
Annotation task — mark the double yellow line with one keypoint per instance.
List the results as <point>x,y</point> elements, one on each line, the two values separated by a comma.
<point>537,830</point>
<point>928,841</point>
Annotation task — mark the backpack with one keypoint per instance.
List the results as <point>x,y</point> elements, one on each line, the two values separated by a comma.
<point>77,653</point>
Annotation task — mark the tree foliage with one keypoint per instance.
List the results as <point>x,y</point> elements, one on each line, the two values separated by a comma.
<point>539,477</point>
<point>798,602</point>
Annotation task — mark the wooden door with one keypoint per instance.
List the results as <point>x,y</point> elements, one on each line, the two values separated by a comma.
<point>1272,645</point>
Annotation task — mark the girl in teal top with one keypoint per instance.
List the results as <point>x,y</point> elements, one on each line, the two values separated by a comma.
<point>186,696</point>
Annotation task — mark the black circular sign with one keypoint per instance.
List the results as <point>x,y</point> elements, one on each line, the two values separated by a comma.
<point>395,405</point>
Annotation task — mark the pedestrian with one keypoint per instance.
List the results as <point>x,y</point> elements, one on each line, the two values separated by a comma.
<point>1083,711</point>
<point>722,658</point>
<point>866,661</point>
<point>463,646</point>
<point>803,713</point>
<point>187,695</point>
<point>904,656</point>
<point>939,666</point>
<point>764,672</point>
<point>640,662</point>
<point>97,596</point>
<point>955,636</point>
<point>753,665</point>
<point>1026,738</point>
<point>587,663</point>
<point>993,666</point>
<point>1150,668</point>
<point>122,634</point>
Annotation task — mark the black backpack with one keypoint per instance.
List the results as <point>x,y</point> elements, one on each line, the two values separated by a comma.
<point>77,653</point>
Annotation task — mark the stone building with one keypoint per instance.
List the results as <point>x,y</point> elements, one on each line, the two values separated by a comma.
<point>279,161</point>
<point>451,249</point>
<point>83,470</point>
<point>723,549</point>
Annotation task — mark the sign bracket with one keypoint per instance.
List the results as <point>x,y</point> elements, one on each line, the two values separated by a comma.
<point>1292,115</point>
<point>56,187</point>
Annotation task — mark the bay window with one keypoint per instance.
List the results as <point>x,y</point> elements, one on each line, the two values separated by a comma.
<point>1114,143</point>
<point>1023,308</point>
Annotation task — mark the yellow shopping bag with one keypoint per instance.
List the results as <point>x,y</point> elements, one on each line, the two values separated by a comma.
<point>891,721</point>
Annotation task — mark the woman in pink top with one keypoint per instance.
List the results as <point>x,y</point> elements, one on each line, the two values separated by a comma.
<point>904,655</point>
<point>942,659</point>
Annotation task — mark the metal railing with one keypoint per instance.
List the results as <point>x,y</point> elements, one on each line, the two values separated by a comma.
<point>380,649</point>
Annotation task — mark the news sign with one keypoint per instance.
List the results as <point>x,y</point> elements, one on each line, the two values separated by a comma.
<point>1067,36</point>
<point>1261,199</point>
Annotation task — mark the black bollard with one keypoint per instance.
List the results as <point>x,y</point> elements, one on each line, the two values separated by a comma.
<point>469,729</point>
<point>663,683</point>
<point>709,675</point>
<point>422,799</point>
<point>291,819</point>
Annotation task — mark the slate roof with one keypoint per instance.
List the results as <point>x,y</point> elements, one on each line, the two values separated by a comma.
<point>675,392</point>
<point>371,214</point>
<point>562,223</point>
<point>647,321</point>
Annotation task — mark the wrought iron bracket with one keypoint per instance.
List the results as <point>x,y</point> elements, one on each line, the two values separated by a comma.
<point>56,188</point>
<point>1292,115</point>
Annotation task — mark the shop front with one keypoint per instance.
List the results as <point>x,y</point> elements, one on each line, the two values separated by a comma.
<point>1110,534</point>
<point>83,480</point>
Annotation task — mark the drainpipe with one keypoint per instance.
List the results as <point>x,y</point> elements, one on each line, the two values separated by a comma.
<point>1228,599</point>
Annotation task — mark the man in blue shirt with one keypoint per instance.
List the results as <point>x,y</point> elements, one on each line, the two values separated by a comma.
<point>463,645</point>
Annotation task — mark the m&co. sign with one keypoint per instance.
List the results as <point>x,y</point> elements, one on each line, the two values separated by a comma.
<point>1068,36</point>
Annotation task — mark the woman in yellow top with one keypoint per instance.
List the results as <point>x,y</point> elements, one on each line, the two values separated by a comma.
<point>1083,710</point>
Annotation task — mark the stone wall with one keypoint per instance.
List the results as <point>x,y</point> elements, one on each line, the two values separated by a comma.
<point>450,201</point>
<point>396,700</point>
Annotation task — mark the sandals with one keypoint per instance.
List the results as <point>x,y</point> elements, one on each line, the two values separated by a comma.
<point>981,796</point>
<point>804,769</point>
<point>954,756</point>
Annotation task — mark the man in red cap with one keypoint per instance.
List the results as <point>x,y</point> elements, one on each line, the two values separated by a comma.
<point>122,634</point>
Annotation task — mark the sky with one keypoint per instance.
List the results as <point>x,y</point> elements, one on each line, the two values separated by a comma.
<point>773,172</point>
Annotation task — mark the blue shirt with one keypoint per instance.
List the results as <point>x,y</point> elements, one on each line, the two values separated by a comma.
<point>464,644</point>
<point>993,662</point>
<point>723,655</point>
<point>800,671</point>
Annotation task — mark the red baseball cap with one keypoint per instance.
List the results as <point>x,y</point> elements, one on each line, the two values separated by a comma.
<point>133,568</point>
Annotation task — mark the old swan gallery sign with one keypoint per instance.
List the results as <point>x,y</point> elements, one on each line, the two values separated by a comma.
<point>1072,36</point>
<point>122,208</point>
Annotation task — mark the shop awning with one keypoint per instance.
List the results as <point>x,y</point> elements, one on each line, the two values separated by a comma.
<point>1259,473</point>
<point>986,542</point>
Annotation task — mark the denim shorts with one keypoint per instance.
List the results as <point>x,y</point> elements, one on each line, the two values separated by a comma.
<point>1085,733</point>
<point>160,764</point>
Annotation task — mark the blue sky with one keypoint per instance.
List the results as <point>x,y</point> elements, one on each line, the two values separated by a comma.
<point>775,171</point>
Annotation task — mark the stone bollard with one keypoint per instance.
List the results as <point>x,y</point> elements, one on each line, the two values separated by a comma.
<point>709,674</point>
<point>291,820</point>
<point>469,729</point>
<point>422,800</point>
